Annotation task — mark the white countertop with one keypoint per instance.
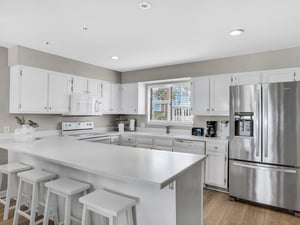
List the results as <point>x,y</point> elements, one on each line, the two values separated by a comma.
<point>117,162</point>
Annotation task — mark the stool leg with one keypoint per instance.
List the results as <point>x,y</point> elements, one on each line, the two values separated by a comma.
<point>129,216</point>
<point>84,215</point>
<point>8,197</point>
<point>68,210</point>
<point>33,203</point>
<point>112,220</point>
<point>1,178</point>
<point>47,208</point>
<point>18,204</point>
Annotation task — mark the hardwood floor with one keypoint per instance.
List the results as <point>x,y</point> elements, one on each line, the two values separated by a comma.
<point>219,210</point>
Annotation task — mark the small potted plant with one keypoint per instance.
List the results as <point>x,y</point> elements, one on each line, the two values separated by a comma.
<point>26,132</point>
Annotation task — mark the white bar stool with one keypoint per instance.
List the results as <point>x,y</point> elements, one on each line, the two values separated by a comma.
<point>34,177</point>
<point>66,188</point>
<point>11,170</point>
<point>107,204</point>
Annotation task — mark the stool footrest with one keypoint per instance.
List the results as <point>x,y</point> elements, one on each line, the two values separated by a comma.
<point>24,214</point>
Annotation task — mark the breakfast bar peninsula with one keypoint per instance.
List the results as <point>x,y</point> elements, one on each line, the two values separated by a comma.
<point>168,186</point>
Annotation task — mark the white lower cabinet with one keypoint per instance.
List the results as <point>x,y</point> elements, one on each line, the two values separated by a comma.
<point>144,141</point>
<point>127,139</point>
<point>216,165</point>
<point>161,143</point>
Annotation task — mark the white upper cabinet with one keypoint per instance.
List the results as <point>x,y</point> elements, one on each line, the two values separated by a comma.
<point>210,95</point>
<point>59,92</point>
<point>282,75</point>
<point>35,90</point>
<point>83,85</point>
<point>133,98</point>
<point>219,94</point>
<point>95,87</point>
<point>200,95</point>
<point>111,97</point>
<point>246,78</point>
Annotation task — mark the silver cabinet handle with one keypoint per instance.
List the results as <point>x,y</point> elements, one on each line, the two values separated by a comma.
<point>265,168</point>
<point>207,110</point>
<point>212,109</point>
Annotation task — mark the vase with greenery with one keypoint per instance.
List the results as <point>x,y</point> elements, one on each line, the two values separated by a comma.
<point>26,132</point>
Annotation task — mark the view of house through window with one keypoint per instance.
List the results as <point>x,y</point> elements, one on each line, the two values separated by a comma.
<point>170,103</point>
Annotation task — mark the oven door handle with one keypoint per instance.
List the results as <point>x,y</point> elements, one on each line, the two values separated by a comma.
<point>95,139</point>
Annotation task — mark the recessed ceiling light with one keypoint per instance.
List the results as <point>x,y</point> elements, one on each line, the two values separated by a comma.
<point>145,5</point>
<point>115,57</point>
<point>84,27</point>
<point>236,32</point>
<point>46,43</point>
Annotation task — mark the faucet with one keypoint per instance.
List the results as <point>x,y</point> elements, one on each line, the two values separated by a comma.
<point>167,129</point>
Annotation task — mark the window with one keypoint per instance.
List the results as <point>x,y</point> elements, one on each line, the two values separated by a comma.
<point>170,103</point>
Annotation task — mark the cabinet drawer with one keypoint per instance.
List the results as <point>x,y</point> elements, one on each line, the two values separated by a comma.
<point>128,138</point>
<point>115,139</point>
<point>216,147</point>
<point>163,142</point>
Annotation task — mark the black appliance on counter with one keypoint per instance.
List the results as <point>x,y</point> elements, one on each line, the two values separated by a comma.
<point>211,128</point>
<point>198,131</point>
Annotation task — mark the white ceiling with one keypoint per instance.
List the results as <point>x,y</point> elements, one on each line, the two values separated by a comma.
<point>171,32</point>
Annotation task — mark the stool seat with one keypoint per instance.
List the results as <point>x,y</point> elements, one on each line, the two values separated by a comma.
<point>36,175</point>
<point>10,170</point>
<point>13,168</point>
<point>105,202</point>
<point>67,186</point>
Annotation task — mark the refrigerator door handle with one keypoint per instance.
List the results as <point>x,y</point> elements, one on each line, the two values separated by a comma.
<point>265,168</point>
<point>259,122</point>
<point>265,122</point>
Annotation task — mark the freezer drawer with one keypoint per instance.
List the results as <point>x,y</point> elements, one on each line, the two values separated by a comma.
<point>271,185</point>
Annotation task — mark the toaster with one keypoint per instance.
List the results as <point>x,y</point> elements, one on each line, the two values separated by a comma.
<point>198,131</point>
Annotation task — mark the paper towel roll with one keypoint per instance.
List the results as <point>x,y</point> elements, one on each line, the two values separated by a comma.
<point>121,127</point>
<point>132,125</point>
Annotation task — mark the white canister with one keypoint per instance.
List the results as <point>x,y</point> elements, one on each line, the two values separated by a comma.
<point>121,127</point>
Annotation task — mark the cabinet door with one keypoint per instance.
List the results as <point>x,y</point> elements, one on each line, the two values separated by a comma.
<point>95,87</point>
<point>107,96</point>
<point>59,92</point>
<point>274,76</point>
<point>165,144</point>
<point>216,172</point>
<point>219,94</point>
<point>115,97</point>
<point>79,85</point>
<point>200,96</point>
<point>129,96</point>
<point>247,78</point>
<point>144,141</point>
<point>33,94</point>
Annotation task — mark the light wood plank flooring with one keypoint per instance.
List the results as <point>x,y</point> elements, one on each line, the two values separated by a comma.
<point>219,210</point>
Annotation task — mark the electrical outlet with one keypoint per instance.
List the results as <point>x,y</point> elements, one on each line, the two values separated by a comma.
<point>6,129</point>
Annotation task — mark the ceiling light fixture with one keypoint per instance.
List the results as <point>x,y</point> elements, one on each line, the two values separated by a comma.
<point>236,32</point>
<point>84,27</point>
<point>145,5</point>
<point>115,57</point>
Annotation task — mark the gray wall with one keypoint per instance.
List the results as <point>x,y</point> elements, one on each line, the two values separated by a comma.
<point>30,57</point>
<point>245,63</point>
<point>254,62</point>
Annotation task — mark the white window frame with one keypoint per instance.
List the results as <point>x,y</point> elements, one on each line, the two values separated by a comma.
<point>164,122</point>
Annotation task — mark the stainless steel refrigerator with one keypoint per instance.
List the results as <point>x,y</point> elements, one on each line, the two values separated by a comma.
<point>264,147</point>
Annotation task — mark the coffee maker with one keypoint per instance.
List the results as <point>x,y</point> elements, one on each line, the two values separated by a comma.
<point>211,129</point>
